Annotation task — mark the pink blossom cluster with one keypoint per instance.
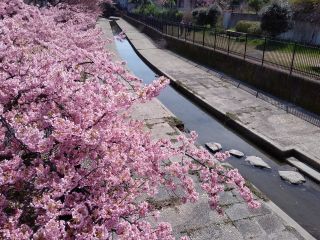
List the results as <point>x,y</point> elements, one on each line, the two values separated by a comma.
<point>121,36</point>
<point>73,165</point>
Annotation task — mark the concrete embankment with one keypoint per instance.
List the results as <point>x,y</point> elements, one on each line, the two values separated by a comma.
<point>284,135</point>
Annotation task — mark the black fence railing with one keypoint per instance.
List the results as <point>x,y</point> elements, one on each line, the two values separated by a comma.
<point>295,58</point>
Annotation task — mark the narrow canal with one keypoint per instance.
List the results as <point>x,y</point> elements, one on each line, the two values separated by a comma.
<point>301,202</point>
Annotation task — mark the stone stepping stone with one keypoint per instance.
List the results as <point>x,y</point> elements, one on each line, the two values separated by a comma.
<point>292,177</point>
<point>236,153</point>
<point>257,162</point>
<point>112,18</point>
<point>226,165</point>
<point>214,147</point>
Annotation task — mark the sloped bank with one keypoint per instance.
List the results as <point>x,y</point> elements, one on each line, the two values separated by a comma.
<point>295,89</point>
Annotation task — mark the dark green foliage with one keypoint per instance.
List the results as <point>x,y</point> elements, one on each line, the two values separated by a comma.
<point>151,10</point>
<point>171,15</point>
<point>204,16</point>
<point>248,27</point>
<point>276,18</point>
<point>200,16</point>
<point>213,13</point>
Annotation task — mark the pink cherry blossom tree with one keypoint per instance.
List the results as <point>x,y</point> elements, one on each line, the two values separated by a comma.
<point>73,164</point>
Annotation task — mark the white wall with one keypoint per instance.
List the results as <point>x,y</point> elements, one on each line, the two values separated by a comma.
<point>303,32</point>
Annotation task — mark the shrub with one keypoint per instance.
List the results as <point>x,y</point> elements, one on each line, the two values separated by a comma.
<point>276,18</point>
<point>204,16</point>
<point>213,13</point>
<point>243,26</point>
<point>171,15</point>
<point>151,10</point>
<point>248,27</point>
<point>179,16</point>
<point>187,17</point>
<point>136,10</point>
<point>255,29</point>
<point>199,16</point>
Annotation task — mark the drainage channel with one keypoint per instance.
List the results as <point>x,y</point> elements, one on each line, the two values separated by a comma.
<point>301,202</point>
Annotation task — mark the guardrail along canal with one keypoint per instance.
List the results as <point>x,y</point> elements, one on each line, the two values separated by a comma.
<point>301,202</point>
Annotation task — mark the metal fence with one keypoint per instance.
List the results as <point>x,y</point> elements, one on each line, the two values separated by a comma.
<point>224,41</point>
<point>292,57</point>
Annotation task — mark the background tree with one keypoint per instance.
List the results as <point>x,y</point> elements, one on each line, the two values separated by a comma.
<point>213,13</point>
<point>306,10</point>
<point>204,16</point>
<point>199,15</point>
<point>256,5</point>
<point>276,18</point>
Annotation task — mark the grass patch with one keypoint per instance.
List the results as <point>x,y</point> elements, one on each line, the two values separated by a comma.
<point>315,70</point>
<point>233,116</point>
<point>175,122</point>
<point>173,134</point>
<point>256,192</point>
<point>170,202</point>
<point>173,140</point>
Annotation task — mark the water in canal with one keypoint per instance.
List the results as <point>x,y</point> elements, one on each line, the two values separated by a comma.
<point>302,202</point>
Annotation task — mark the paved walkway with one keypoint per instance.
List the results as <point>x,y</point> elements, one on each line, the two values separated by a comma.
<point>197,220</point>
<point>284,131</point>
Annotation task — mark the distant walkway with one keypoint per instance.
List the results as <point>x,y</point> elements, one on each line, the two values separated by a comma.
<point>274,126</point>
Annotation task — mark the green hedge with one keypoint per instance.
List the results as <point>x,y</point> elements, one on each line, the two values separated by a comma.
<point>248,27</point>
<point>151,10</point>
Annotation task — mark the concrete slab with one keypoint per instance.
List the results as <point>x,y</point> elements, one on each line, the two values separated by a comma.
<point>228,198</point>
<point>270,223</point>
<point>305,168</point>
<point>162,130</point>
<point>241,210</point>
<point>150,110</point>
<point>249,228</point>
<point>285,235</point>
<point>221,232</point>
<point>195,215</point>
